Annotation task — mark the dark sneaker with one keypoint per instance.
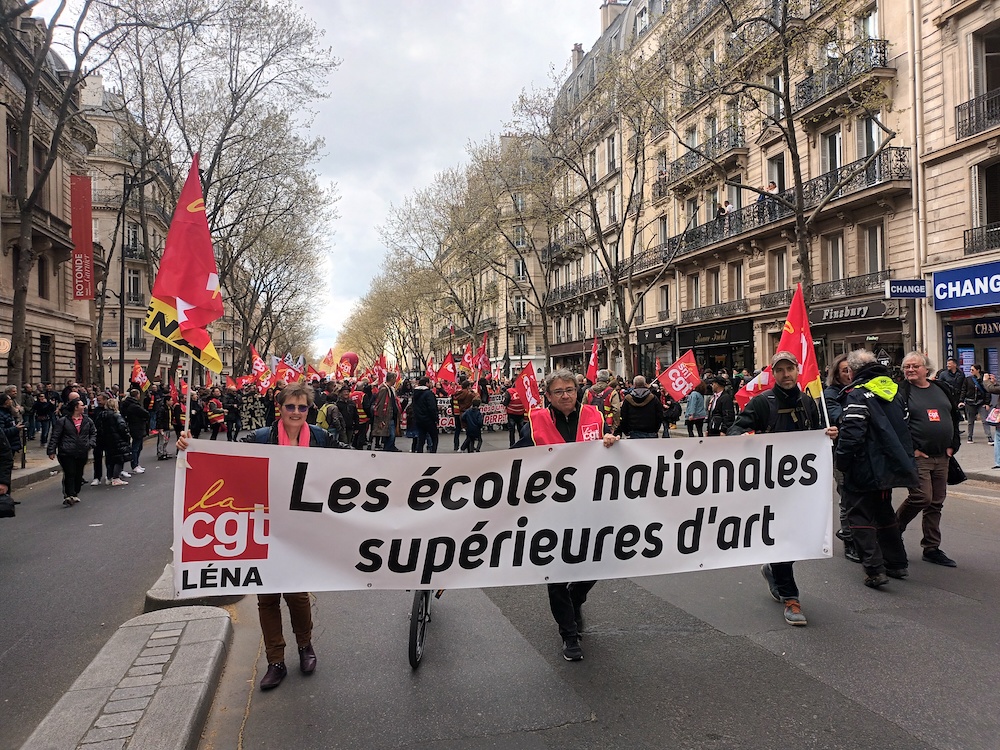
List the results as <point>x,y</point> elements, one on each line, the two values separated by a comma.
<point>897,573</point>
<point>765,570</point>
<point>851,552</point>
<point>275,674</point>
<point>874,580</point>
<point>938,557</point>
<point>793,612</point>
<point>572,651</point>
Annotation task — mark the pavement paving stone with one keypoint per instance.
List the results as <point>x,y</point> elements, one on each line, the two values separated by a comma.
<point>130,693</point>
<point>145,669</point>
<point>196,662</point>
<point>117,744</point>
<point>129,704</point>
<point>164,641</point>
<point>171,633</point>
<point>114,660</point>
<point>118,719</point>
<point>159,659</point>
<point>158,651</point>
<point>150,679</point>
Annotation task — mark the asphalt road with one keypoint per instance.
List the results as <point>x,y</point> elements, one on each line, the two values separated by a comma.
<point>701,660</point>
<point>68,578</point>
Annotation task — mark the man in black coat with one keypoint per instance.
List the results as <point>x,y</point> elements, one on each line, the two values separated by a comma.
<point>425,415</point>
<point>721,409</point>
<point>875,452</point>
<point>137,420</point>
<point>641,412</point>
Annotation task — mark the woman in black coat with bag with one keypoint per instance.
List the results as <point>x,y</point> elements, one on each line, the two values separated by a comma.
<point>116,440</point>
<point>73,437</point>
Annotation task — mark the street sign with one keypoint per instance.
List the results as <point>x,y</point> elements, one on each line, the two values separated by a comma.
<point>905,288</point>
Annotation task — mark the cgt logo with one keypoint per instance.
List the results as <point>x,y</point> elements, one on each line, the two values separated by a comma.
<point>225,509</point>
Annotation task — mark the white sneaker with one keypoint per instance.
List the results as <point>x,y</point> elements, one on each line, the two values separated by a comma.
<point>138,470</point>
<point>107,481</point>
<point>118,483</point>
<point>96,483</point>
<point>126,475</point>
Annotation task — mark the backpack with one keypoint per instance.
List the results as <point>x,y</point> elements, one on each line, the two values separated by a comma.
<point>673,413</point>
<point>801,410</point>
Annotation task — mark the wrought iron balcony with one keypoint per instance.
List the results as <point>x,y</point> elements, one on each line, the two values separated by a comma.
<point>723,310</point>
<point>137,300</point>
<point>607,328</point>
<point>977,115</point>
<point>137,344</point>
<point>870,55</point>
<point>583,285</point>
<point>850,287</point>
<point>722,143</point>
<point>640,262</point>
<point>528,318</point>
<point>982,239</point>
<point>663,315</point>
<point>892,164</point>
<point>136,252</point>
<point>486,323</point>
<point>694,14</point>
<point>775,300</point>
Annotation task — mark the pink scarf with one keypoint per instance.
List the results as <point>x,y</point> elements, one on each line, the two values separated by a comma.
<point>283,438</point>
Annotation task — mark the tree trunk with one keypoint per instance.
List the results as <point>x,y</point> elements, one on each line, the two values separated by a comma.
<point>19,311</point>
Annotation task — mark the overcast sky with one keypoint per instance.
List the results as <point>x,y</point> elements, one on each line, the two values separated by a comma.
<point>418,81</point>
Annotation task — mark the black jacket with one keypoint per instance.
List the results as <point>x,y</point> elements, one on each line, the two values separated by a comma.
<point>350,414</point>
<point>641,411</point>
<point>955,381</point>
<point>135,416</point>
<point>425,408</point>
<point>6,461</point>
<point>874,448</point>
<point>778,410</point>
<point>112,433</point>
<point>66,441</point>
<point>722,413</point>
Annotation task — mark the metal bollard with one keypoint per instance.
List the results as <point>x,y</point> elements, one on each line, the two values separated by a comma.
<point>24,445</point>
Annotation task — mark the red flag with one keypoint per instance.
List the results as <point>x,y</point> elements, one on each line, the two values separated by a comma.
<point>208,381</point>
<point>482,358</point>
<point>329,361</point>
<point>431,372</point>
<point>173,392</point>
<point>658,368</point>
<point>467,364</point>
<point>592,367</point>
<point>526,386</point>
<point>260,372</point>
<point>312,375</point>
<point>381,369</point>
<point>186,288</point>
<point>284,371</point>
<point>681,377</point>
<point>797,339</point>
<point>230,383</point>
<point>447,370</point>
<point>184,387</point>
<point>243,380</point>
<point>139,376</point>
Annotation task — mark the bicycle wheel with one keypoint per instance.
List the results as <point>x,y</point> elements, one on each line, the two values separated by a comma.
<point>420,615</point>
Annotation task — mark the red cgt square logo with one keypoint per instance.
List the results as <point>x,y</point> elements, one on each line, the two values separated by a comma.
<point>225,509</point>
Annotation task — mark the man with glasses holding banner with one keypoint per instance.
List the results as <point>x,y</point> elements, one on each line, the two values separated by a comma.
<point>566,420</point>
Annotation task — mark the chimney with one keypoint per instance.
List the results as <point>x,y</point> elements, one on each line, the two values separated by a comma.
<point>93,91</point>
<point>609,12</point>
<point>577,55</point>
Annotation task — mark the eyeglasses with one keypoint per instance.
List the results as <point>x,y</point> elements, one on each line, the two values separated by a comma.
<point>563,392</point>
<point>300,408</point>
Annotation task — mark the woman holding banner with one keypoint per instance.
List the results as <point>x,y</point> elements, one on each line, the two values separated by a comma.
<point>294,402</point>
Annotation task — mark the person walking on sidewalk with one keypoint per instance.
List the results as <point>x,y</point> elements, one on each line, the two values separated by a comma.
<point>565,420</point>
<point>294,401</point>
<point>73,437</point>
<point>977,402</point>
<point>993,388</point>
<point>934,417</point>
<point>783,408</point>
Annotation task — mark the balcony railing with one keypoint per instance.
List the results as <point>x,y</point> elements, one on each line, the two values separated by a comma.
<point>137,300</point>
<point>137,344</point>
<point>583,285</point>
<point>982,239</point>
<point>528,318</point>
<point>851,286</point>
<point>711,312</point>
<point>982,113</point>
<point>891,164</point>
<point>693,16</point>
<point>486,323</point>
<point>136,252</point>
<point>660,189</point>
<point>663,315</point>
<point>724,142</point>
<point>774,300</point>
<point>866,57</point>
<point>640,262</point>
<point>607,328</point>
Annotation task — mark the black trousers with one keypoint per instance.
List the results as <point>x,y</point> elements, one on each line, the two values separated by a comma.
<point>875,531</point>
<point>72,474</point>
<point>564,600</point>
<point>784,580</point>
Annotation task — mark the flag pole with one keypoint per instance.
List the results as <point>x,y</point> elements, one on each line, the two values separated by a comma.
<point>822,399</point>
<point>187,426</point>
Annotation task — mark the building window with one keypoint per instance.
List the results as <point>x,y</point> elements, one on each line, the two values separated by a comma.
<point>135,338</point>
<point>776,171</point>
<point>518,199</point>
<point>663,229</point>
<point>609,148</point>
<point>592,163</point>
<point>595,319</point>
<point>830,153</point>
<point>714,286</point>
<point>43,277</point>
<point>39,155</point>
<point>711,127</point>
<point>612,206</point>
<point>519,237</point>
<point>45,362</point>
<point>779,270</point>
<point>640,309</point>
<point>559,330</point>
<point>737,288</point>
<point>872,238</point>
<point>520,269</point>
<point>12,158</point>
<point>569,328</point>
<point>986,183</point>
<point>734,193</point>
<point>520,308</point>
<point>578,269</point>
<point>775,100</point>
<point>869,135</point>
<point>665,300</point>
<point>868,23</point>
<point>833,255</point>
<point>520,343</point>
<point>694,291</point>
<point>692,212</point>
<point>581,324</point>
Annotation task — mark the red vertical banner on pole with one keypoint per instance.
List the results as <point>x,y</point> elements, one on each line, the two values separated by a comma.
<point>83,236</point>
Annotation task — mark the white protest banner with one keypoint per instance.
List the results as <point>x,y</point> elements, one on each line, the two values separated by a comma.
<point>265,519</point>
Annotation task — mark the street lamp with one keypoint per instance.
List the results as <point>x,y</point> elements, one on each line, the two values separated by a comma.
<point>127,182</point>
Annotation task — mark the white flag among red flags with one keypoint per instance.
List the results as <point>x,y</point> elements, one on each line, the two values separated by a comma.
<point>592,367</point>
<point>797,339</point>
<point>681,377</point>
<point>447,369</point>
<point>185,296</point>
<point>430,372</point>
<point>526,386</point>
<point>139,376</point>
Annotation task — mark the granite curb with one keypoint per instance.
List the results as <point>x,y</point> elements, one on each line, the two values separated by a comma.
<point>161,596</point>
<point>149,688</point>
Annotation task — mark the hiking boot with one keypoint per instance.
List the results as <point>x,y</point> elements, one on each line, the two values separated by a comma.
<point>874,580</point>
<point>851,552</point>
<point>572,651</point>
<point>898,573</point>
<point>765,570</point>
<point>793,612</point>
<point>938,557</point>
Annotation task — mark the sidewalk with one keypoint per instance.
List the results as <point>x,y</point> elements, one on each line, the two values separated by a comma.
<point>38,467</point>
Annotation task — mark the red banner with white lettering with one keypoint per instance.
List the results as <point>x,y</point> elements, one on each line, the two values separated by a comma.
<point>681,377</point>
<point>82,215</point>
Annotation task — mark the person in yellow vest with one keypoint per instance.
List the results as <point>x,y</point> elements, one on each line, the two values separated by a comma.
<point>565,420</point>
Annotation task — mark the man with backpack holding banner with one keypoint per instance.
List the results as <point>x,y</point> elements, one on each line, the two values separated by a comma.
<point>783,408</point>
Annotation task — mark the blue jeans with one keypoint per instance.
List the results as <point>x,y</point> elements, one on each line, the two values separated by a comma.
<point>31,424</point>
<point>389,441</point>
<point>45,425</point>
<point>136,450</point>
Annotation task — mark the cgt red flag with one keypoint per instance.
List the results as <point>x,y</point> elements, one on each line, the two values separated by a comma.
<point>447,370</point>
<point>467,364</point>
<point>186,289</point>
<point>431,372</point>
<point>797,339</point>
<point>681,377</point>
<point>592,367</point>
<point>230,383</point>
<point>526,386</point>
<point>139,376</point>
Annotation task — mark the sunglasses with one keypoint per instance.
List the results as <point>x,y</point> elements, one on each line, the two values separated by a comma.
<point>300,408</point>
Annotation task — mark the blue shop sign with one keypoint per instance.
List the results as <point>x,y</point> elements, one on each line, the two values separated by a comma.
<point>905,289</point>
<point>972,286</point>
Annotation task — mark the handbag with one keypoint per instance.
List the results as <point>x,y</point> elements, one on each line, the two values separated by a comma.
<point>6,506</point>
<point>956,474</point>
<point>993,418</point>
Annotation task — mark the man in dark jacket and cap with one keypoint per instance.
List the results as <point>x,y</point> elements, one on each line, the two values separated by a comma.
<point>641,412</point>
<point>875,452</point>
